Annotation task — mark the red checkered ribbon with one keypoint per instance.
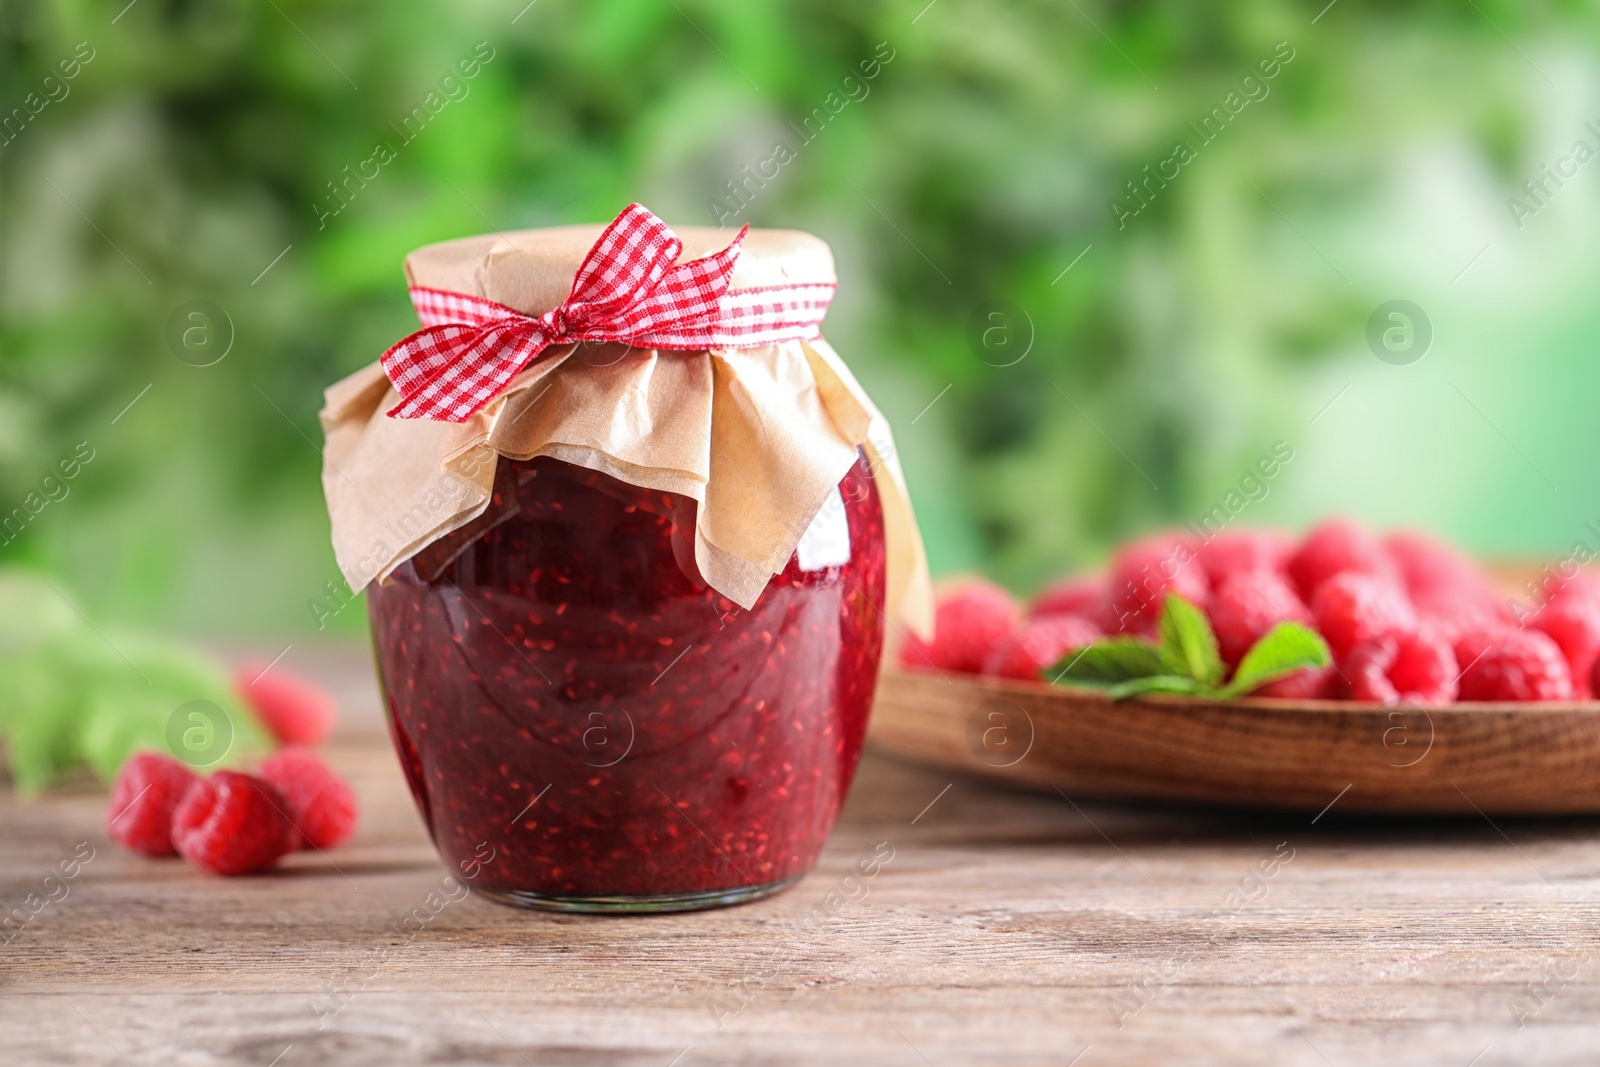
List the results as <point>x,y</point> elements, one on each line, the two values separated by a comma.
<point>627,291</point>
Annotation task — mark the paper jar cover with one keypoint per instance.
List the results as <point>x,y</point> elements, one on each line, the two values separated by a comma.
<point>758,437</point>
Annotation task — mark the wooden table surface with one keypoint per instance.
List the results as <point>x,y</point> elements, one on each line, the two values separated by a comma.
<point>1008,928</point>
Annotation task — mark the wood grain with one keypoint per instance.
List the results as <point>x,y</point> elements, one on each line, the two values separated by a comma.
<point>1010,928</point>
<point>1460,759</point>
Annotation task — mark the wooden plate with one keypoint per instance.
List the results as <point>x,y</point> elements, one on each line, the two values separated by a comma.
<point>1489,758</point>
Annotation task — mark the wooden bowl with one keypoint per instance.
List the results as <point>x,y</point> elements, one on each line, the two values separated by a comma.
<point>1490,758</point>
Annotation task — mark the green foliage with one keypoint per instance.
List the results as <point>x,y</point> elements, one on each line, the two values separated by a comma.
<point>75,694</point>
<point>1114,661</point>
<point>200,142</point>
<point>1186,658</point>
<point>1188,640</point>
<point>1286,648</point>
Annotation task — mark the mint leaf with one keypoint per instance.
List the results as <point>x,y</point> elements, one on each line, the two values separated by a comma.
<point>1187,660</point>
<point>1157,683</point>
<point>1188,641</point>
<point>1108,662</point>
<point>33,613</point>
<point>69,696</point>
<point>129,703</point>
<point>1286,648</point>
<point>39,724</point>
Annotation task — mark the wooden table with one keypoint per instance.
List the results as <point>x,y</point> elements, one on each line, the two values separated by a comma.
<point>1008,928</point>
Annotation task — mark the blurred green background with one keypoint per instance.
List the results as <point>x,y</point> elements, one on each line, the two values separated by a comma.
<point>190,156</point>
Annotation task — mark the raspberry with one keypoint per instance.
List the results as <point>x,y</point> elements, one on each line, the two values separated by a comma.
<point>1039,644</point>
<point>969,622</point>
<point>1583,585</point>
<point>147,788</point>
<point>321,805</point>
<point>1337,546</point>
<point>1245,606</point>
<point>1447,626</point>
<point>1519,665</point>
<point>233,823</point>
<point>1444,583</point>
<point>1573,623</point>
<point>1470,640</point>
<point>1245,552</point>
<point>1313,683</point>
<point>1353,607</point>
<point>1143,573</point>
<point>1426,565</point>
<point>297,712</point>
<point>1410,665</point>
<point>1457,613</point>
<point>1088,596</point>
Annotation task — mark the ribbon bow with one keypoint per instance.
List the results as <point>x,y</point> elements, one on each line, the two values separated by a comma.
<point>627,290</point>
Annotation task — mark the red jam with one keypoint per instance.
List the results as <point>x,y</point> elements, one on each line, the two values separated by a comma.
<point>569,698</point>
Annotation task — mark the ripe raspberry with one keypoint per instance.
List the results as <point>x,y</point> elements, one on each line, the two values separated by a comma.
<point>1245,552</point>
<point>1470,640</point>
<point>1039,644</point>
<point>1353,607</point>
<point>1087,595</point>
<point>147,788</point>
<point>1573,622</point>
<point>1313,683</point>
<point>1446,626</point>
<point>969,622</point>
<point>1446,584</point>
<point>1337,546</point>
<point>1245,606</point>
<point>1143,573</point>
<point>1410,665</point>
<point>1457,613</point>
<point>1519,665</point>
<point>1427,565</point>
<point>296,711</point>
<point>321,805</point>
<point>233,823</point>
<point>1551,586</point>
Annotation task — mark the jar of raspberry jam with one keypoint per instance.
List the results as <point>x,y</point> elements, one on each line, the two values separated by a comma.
<point>631,533</point>
<point>567,697</point>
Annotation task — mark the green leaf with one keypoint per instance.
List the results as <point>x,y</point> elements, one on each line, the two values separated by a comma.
<point>1286,648</point>
<point>71,695</point>
<point>1157,683</point>
<point>1114,660</point>
<point>131,702</point>
<point>1187,660</point>
<point>1188,641</point>
<point>40,727</point>
<point>34,613</point>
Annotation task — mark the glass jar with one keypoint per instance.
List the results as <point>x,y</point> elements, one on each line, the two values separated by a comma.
<point>586,725</point>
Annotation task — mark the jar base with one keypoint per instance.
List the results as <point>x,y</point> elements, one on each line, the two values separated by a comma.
<point>644,904</point>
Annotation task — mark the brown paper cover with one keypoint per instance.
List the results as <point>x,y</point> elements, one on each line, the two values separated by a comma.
<point>758,437</point>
